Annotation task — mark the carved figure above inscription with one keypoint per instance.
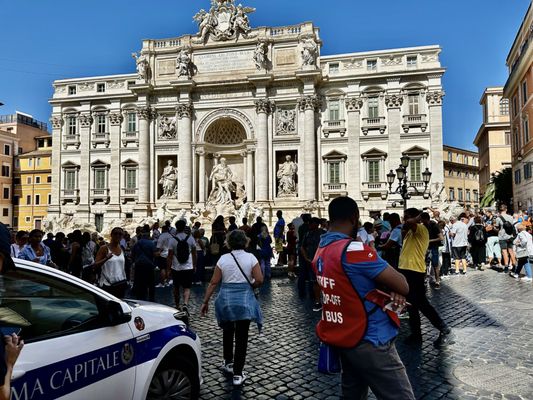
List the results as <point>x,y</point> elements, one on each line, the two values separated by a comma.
<point>143,67</point>
<point>309,52</point>
<point>286,122</point>
<point>167,128</point>
<point>260,56</point>
<point>184,64</point>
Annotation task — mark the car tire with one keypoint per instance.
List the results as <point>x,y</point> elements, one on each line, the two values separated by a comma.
<point>176,381</point>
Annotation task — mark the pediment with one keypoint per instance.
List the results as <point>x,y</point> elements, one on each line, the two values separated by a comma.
<point>374,153</point>
<point>99,163</point>
<point>334,154</point>
<point>69,165</point>
<point>416,150</point>
<point>129,163</point>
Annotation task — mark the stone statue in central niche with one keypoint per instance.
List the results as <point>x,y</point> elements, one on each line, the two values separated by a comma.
<point>169,180</point>
<point>223,185</point>
<point>287,178</point>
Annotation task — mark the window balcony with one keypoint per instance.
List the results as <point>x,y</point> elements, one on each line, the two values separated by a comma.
<point>334,190</point>
<point>375,189</point>
<point>129,195</point>
<point>414,121</point>
<point>377,123</point>
<point>71,140</point>
<point>99,195</point>
<point>334,126</point>
<point>70,196</point>
<point>130,137</point>
<point>100,138</point>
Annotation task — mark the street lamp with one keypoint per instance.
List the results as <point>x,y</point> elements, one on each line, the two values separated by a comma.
<point>403,184</point>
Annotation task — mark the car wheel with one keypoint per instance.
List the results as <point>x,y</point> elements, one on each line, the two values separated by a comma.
<point>174,383</point>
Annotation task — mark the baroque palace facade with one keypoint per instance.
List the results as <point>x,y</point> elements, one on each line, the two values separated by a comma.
<point>242,115</point>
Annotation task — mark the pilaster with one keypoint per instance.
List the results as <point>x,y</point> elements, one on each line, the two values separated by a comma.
<point>263,108</point>
<point>115,173</point>
<point>353,163</point>
<point>57,121</point>
<point>184,114</point>
<point>309,105</point>
<point>394,102</point>
<point>434,100</point>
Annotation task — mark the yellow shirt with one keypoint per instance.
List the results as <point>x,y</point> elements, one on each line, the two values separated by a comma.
<point>415,246</point>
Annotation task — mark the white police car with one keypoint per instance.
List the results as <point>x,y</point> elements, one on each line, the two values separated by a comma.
<point>82,343</point>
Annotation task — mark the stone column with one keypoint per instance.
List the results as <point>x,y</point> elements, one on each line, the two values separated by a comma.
<point>84,175</point>
<point>394,127</point>
<point>308,105</point>
<point>250,175</point>
<point>261,183</point>
<point>145,115</point>
<point>201,175</point>
<point>355,173</point>
<point>57,122</point>
<point>185,170</point>
<point>434,100</point>
<point>115,173</point>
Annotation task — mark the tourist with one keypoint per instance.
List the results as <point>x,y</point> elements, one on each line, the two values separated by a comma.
<point>36,251</point>
<point>264,243</point>
<point>435,241</point>
<point>254,234</point>
<point>111,264</point>
<point>291,250</point>
<point>74,264</point>
<point>218,237</point>
<point>200,257</point>
<point>413,267</point>
<point>236,306</point>
<point>493,243</point>
<point>232,225</point>
<point>181,260</point>
<point>477,237</point>
<point>21,239</point>
<point>459,233</point>
<point>245,227</point>
<point>155,232</point>
<point>364,339</point>
<point>87,258</point>
<point>163,245</point>
<point>59,253</point>
<point>393,246</point>
<point>308,249</point>
<point>196,227</point>
<point>505,228</point>
<point>365,234</point>
<point>445,250</point>
<point>144,255</point>
<point>524,251</point>
<point>279,236</point>
<point>49,240</point>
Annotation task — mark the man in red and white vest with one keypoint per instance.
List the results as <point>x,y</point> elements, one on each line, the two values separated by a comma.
<point>362,332</point>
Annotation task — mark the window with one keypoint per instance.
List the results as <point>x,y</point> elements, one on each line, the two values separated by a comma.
<point>131,179</point>
<point>466,160</point>
<point>450,173</point>
<point>416,170</point>
<point>38,162</point>
<point>7,150</point>
<point>524,92</point>
<point>70,180</point>
<point>16,181</point>
<point>101,124</point>
<point>49,198</point>
<point>37,199</point>
<point>468,195</point>
<point>516,140</point>
<point>526,131</point>
<point>30,162</point>
<point>99,222</point>
<point>72,90</point>
<point>132,122</point>
<point>131,83</point>
<point>64,309</point>
<point>515,105</point>
<point>49,179</point>
<point>504,107</point>
<point>71,125</point>
<point>460,194</point>
<point>372,65</point>
<point>452,194</point>
<point>99,179</point>
<point>28,199</point>
<point>16,200</point>
<point>517,176</point>
<point>27,219</point>
<point>458,174</point>
<point>100,88</point>
<point>413,103</point>
<point>6,193</point>
<point>373,171</point>
<point>17,163</point>
<point>476,196</point>
<point>28,180</point>
<point>37,179</point>
<point>527,171</point>
<point>507,138</point>
<point>5,170</point>
<point>5,212</point>
<point>334,110</point>
<point>373,107</point>
<point>41,143</point>
<point>411,61</point>
<point>334,172</point>
<point>467,175</point>
<point>129,215</point>
<point>458,158</point>
<point>334,69</point>
<point>450,156</point>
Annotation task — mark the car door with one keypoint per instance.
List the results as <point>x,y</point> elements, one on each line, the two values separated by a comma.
<point>71,352</point>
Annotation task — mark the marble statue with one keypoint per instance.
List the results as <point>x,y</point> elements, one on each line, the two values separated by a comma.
<point>168,180</point>
<point>260,56</point>
<point>222,179</point>
<point>309,52</point>
<point>143,67</point>
<point>286,121</point>
<point>184,64</point>
<point>167,128</point>
<point>224,21</point>
<point>287,178</point>
<point>241,23</point>
<point>66,223</point>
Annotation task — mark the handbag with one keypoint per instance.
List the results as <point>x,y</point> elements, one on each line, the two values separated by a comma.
<point>214,248</point>
<point>255,290</point>
<point>328,359</point>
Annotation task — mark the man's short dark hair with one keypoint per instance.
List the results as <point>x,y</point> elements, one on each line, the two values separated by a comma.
<point>180,225</point>
<point>343,209</point>
<point>306,218</point>
<point>279,213</point>
<point>315,221</point>
<point>232,219</point>
<point>412,212</point>
<point>245,221</point>
<point>463,215</point>
<point>425,216</point>
<point>394,217</point>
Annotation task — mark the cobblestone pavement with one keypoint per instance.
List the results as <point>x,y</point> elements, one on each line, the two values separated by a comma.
<point>491,314</point>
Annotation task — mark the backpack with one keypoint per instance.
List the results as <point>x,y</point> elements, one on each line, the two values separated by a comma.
<point>479,236</point>
<point>183,250</point>
<point>508,227</point>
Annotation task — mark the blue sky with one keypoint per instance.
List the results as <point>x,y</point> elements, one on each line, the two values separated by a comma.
<point>43,40</point>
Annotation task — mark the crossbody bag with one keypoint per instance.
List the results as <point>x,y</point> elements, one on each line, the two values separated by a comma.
<point>255,290</point>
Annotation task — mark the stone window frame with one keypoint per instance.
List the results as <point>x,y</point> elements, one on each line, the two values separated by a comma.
<point>374,154</point>
<point>409,63</point>
<point>334,68</point>
<point>70,167</point>
<point>331,158</point>
<point>100,166</point>
<point>101,85</point>
<point>130,165</point>
<point>417,153</point>
<point>451,193</point>
<point>98,114</point>
<point>71,129</point>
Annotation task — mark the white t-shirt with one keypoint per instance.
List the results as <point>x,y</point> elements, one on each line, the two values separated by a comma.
<point>230,271</point>
<point>176,266</point>
<point>164,243</point>
<point>461,234</point>
<point>364,237</point>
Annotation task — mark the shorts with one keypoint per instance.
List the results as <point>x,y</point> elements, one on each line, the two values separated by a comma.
<point>183,278</point>
<point>506,244</point>
<point>278,245</point>
<point>459,253</point>
<point>161,263</point>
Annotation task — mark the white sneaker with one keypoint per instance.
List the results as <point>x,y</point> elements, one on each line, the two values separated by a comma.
<point>526,279</point>
<point>159,285</point>
<point>238,380</point>
<point>170,282</point>
<point>227,368</point>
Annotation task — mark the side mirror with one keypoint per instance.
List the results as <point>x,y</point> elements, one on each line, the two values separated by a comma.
<point>113,314</point>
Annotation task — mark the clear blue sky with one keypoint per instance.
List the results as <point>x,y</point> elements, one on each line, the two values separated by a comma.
<point>43,40</point>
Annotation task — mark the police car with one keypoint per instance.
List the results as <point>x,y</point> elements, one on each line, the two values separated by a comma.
<point>83,343</point>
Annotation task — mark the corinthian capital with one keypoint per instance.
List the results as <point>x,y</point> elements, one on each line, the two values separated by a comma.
<point>184,110</point>
<point>115,118</point>
<point>85,120</point>
<point>354,104</point>
<point>146,113</point>
<point>393,101</point>
<point>435,98</point>
<point>263,106</point>
<point>57,122</point>
<point>306,103</point>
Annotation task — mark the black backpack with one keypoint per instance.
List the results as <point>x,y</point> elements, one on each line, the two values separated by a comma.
<point>183,250</point>
<point>479,236</point>
<point>508,227</point>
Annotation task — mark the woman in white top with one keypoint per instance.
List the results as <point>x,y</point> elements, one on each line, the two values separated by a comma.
<point>236,305</point>
<point>524,250</point>
<point>111,262</point>
<point>21,240</point>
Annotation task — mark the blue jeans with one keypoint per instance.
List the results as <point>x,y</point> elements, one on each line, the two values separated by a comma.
<point>265,268</point>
